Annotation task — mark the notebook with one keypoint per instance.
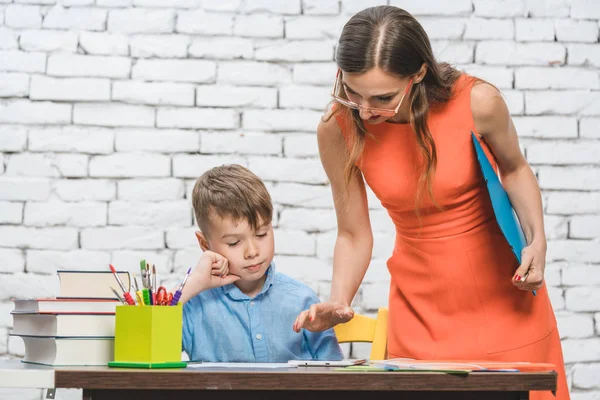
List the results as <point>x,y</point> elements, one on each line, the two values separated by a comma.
<point>503,210</point>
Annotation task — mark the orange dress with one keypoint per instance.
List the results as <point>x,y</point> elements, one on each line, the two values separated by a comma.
<point>451,295</point>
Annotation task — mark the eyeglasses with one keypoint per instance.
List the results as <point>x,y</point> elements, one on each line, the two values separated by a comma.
<point>384,112</point>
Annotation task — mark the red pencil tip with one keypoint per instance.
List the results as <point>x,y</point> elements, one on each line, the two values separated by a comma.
<point>112,269</point>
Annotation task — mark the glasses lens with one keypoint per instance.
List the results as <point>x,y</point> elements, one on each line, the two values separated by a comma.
<point>378,111</point>
<point>382,112</point>
<point>347,103</point>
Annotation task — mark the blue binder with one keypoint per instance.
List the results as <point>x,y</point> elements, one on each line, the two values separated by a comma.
<point>503,210</point>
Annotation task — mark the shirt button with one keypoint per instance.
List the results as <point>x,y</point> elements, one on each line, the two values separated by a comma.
<point>251,304</point>
<point>258,336</point>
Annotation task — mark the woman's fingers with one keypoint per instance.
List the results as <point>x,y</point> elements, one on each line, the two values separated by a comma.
<point>300,320</point>
<point>344,314</point>
<point>524,269</point>
<point>531,281</point>
<point>322,316</point>
<point>312,312</point>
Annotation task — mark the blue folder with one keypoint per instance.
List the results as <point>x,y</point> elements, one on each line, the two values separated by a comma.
<point>503,210</point>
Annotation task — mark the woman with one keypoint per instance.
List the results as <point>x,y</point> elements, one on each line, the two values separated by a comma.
<point>403,122</point>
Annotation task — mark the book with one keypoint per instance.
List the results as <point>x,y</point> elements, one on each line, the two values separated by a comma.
<point>71,351</point>
<point>75,328</point>
<point>64,305</point>
<point>63,325</point>
<point>90,284</point>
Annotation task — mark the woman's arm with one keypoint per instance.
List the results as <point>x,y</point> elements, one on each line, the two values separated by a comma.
<point>493,122</point>
<point>354,243</point>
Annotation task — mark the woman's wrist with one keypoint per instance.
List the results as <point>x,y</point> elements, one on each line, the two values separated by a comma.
<point>539,243</point>
<point>339,301</point>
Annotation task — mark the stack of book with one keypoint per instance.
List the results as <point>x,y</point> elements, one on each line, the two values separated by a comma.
<point>77,327</point>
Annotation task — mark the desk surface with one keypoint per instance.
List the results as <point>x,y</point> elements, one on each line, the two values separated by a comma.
<point>15,374</point>
<point>301,378</point>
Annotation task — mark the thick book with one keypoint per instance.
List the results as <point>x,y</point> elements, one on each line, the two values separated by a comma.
<point>91,284</point>
<point>55,324</point>
<point>64,306</point>
<point>71,351</point>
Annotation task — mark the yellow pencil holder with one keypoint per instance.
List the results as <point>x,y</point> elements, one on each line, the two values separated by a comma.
<point>148,337</point>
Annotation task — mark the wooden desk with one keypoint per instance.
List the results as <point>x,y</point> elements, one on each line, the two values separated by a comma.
<point>314,383</point>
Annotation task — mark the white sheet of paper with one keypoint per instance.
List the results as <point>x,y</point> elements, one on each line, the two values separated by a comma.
<point>325,363</point>
<point>239,365</point>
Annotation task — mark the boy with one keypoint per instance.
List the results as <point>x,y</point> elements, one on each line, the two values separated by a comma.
<point>236,307</point>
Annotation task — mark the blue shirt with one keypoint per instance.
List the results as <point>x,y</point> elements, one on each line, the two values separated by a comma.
<point>225,325</point>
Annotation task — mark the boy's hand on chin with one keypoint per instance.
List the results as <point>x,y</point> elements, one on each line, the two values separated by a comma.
<point>212,271</point>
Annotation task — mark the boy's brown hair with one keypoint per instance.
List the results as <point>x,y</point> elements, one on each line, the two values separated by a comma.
<point>231,191</point>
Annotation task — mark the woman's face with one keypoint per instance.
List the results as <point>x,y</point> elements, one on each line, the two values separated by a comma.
<point>378,89</point>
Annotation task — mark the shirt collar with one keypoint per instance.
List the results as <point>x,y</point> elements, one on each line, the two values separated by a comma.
<point>234,293</point>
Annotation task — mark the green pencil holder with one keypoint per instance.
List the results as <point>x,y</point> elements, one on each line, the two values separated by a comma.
<point>148,337</point>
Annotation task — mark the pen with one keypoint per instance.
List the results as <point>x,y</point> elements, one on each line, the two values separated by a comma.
<point>525,277</point>
<point>126,294</point>
<point>177,294</point>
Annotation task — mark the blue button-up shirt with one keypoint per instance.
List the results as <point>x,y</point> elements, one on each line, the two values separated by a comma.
<point>225,325</point>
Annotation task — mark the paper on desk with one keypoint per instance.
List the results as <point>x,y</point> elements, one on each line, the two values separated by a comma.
<point>239,365</point>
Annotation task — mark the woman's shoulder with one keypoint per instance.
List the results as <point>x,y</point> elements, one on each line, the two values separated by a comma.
<point>472,94</point>
<point>487,106</point>
<point>330,121</point>
<point>464,84</point>
<point>331,130</point>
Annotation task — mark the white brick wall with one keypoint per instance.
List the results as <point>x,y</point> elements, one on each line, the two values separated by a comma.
<point>110,109</point>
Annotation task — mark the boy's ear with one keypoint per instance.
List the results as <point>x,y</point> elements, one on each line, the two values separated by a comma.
<point>202,241</point>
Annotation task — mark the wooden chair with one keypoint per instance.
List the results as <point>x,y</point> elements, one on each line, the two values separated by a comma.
<point>362,328</point>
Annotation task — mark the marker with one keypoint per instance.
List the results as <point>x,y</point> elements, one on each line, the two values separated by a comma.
<point>126,294</point>
<point>177,294</point>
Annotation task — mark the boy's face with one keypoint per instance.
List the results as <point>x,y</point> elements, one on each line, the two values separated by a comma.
<point>249,251</point>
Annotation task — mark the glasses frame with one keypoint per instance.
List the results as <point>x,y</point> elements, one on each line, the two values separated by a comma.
<point>383,112</point>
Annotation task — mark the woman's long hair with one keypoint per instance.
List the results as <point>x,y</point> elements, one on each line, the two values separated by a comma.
<point>391,39</point>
